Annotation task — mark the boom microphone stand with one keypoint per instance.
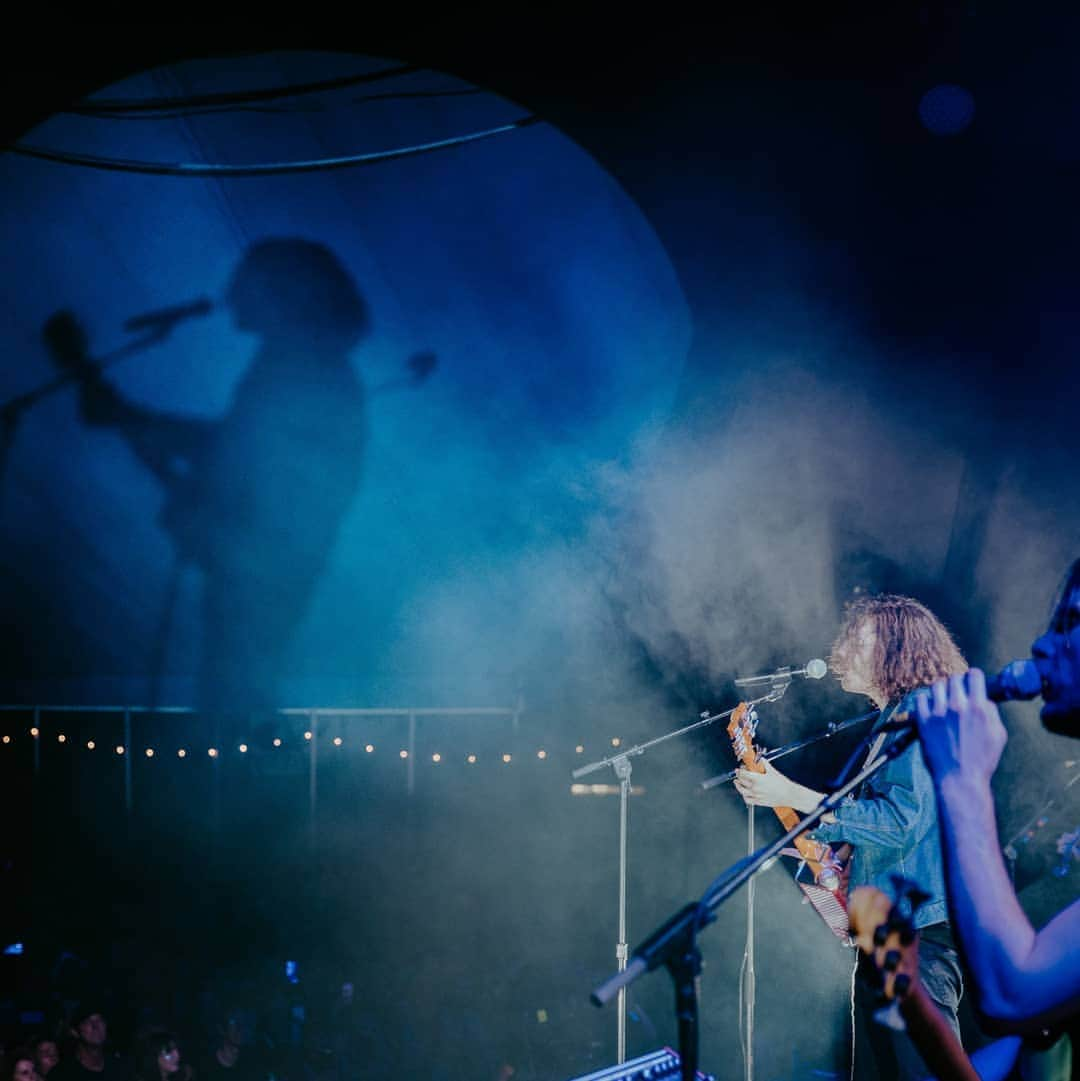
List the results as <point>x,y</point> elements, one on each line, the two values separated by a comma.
<point>674,943</point>
<point>623,769</point>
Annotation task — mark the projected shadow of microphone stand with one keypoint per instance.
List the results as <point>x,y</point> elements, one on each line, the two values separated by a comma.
<point>623,769</point>
<point>674,943</point>
<point>12,410</point>
<point>779,684</point>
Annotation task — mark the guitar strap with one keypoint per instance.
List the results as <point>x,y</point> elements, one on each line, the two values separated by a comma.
<point>880,734</point>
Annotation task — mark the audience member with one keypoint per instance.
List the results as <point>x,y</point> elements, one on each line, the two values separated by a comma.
<point>22,1067</point>
<point>89,1059</point>
<point>158,1058</point>
<point>232,1056</point>
<point>46,1054</point>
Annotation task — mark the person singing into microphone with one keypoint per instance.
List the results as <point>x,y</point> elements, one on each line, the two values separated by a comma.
<point>888,646</point>
<point>255,496</point>
<point>1023,979</point>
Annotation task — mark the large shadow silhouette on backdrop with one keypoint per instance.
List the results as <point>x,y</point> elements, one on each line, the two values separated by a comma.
<point>254,498</point>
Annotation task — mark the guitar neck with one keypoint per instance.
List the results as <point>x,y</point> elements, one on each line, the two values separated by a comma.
<point>813,852</point>
<point>934,1037</point>
<point>819,857</point>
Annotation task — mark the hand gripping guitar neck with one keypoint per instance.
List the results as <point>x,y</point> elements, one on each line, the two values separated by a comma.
<point>828,894</point>
<point>819,857</point>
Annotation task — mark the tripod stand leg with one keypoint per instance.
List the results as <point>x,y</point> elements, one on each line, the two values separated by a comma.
<point>623,771</point>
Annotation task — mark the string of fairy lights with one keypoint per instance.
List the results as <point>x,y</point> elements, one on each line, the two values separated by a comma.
<point>471,758</point>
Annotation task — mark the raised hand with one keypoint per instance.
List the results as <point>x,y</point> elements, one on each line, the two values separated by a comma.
<point>960,729</point>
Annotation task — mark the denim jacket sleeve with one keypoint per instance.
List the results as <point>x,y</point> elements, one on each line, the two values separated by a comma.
<point>895,811</point>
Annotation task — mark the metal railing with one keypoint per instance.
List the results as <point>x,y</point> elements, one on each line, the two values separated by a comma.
<point>313,714</point>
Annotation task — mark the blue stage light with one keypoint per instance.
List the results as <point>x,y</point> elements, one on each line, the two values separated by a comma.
<point>947,109</point>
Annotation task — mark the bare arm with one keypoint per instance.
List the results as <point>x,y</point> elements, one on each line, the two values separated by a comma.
<point>1020,975</point>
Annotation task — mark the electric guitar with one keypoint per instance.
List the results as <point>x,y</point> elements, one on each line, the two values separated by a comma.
<point>827,894</point>
<point>883,929</point>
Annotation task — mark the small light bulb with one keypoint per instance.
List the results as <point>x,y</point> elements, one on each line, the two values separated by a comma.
<point>243,748</point>
<point>369,748</point>
<point>90,744</point>
<point>579,749</point>
<point>436,757</point>
<point>307,735</point>
<point>403,754</point>
<point>119,749</point>
<point>471,760</point>
<point>212,752</point>
<point>181,753</point>
<point>541,754</point>
<point>616,741</point>
<point>506,758</point>
<point>277,741</point>
<point>61,738</point>
<point>337,741</point>
<point>7,739</point>
<point>149,752</point>
<point>35,733</point>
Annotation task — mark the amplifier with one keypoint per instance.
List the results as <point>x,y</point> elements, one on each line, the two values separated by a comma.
<point>655,1066</point>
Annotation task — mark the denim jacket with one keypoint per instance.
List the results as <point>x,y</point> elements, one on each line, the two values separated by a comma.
<point>893,828</point>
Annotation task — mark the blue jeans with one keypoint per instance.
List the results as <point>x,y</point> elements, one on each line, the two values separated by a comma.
<point>882,1054</point>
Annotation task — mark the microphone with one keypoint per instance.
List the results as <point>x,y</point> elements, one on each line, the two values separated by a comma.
<point>164,319</point>
<point>814,669</point>
<point>1017,680</point>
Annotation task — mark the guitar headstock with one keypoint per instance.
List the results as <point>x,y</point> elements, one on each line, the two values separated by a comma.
<point>742,728</point>
<point>884,929</point>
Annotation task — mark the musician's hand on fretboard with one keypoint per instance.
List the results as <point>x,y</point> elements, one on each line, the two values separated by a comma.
<point>771,788</point>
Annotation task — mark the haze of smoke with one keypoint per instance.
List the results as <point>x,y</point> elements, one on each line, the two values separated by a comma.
<point>713,552</point>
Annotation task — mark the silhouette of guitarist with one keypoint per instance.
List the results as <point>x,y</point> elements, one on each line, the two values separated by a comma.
<point>254,499</point>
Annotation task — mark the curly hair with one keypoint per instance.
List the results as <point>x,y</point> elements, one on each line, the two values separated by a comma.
<point>912,646</point>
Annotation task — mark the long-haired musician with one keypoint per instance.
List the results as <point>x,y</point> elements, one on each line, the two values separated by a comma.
<point>888,646</point>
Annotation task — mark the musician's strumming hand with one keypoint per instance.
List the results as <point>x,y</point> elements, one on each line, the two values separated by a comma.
<point>960,729</point>
<point>773,789</point>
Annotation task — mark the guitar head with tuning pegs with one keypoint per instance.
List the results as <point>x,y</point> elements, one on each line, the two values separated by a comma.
<point>884,929</point>
<point>742,728</point>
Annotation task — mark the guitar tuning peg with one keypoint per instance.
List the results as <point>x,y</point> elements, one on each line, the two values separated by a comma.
<point>892,961</point>
<point>891,1017</point>
<point>881,934</point>
<point>909,897</point>
<point>902,984</point>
